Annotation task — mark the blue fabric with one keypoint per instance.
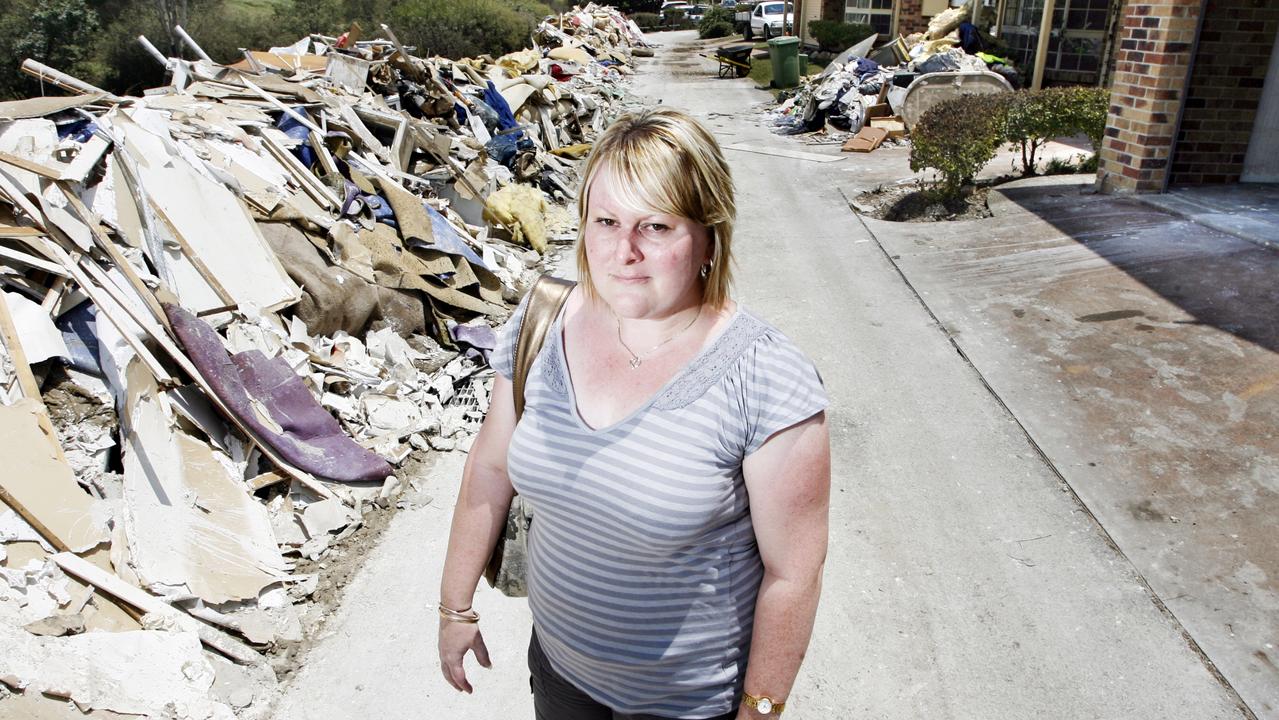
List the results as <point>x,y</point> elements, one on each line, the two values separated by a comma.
<point>79,328</point>
<point>504,148</point>
<point>505,118</point>
<point>80,130</point>
<point>448,240</point>
<point>300,132</point>
<point>969,39</point>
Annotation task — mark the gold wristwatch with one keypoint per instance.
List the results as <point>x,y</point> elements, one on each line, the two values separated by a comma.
<point>763,704</point>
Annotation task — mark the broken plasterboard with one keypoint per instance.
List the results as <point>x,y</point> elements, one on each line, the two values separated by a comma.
<point>42,486</point>
<point>103,671</point>
<point>214,227</point>
<point>189,524</point>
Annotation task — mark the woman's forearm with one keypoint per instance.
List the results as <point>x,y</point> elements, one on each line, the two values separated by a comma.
<point>784,616</point>
<point>478,519</point>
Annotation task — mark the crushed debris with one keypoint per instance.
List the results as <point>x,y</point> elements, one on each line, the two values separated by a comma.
<point>238,312</point>
<point>891,86</point>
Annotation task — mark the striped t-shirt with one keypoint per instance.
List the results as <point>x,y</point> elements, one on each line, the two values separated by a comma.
<point>643,569</point>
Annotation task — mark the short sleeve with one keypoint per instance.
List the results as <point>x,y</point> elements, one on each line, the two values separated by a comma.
<point>782,388</point>
<point>502,359</point>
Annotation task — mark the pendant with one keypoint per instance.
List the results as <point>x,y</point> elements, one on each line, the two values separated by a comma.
<point>635,363</point>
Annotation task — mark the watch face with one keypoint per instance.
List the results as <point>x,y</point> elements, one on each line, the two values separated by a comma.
<point>765,706</point>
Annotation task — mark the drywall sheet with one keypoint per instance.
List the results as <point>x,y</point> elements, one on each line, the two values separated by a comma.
<point>154,674</point>
<point>211,221</point>
<point>188,523</point>
<point>45,486</point>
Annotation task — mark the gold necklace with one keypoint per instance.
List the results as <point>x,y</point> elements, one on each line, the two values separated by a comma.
<point>637,360</point>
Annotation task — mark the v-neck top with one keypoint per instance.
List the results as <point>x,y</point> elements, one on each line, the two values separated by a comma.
<point>643,569</point>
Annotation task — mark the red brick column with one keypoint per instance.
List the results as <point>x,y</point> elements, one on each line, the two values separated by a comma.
<point>1156,39</point>
<point>910,17</point>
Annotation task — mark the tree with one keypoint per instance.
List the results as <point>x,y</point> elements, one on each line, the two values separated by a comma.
<point>58,33</point>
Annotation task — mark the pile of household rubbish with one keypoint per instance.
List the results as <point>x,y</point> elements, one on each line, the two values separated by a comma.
<point>885,90</point>
<point>236,312</point>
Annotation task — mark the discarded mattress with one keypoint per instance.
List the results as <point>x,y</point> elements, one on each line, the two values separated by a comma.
<point>268,397</point>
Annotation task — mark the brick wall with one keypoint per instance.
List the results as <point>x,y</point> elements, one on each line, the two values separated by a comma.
<point>1155,41</point>
<point>1225,88</point>
<point>910,17</point>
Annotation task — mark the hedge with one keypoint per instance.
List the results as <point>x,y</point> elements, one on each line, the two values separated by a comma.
<point>959,136</point>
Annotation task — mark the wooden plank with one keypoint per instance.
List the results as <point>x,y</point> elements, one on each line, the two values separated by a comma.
<point>14,232</point>
<point>45,171</point>
<point>118,259</point>
<point>146,603</point>
<point>97,291</point>
<point>51,298</point>
<point>306,122</point>
<point>309,183</point>
<point>26,379</point>
<point>322,152</point>
<point>31,260</point>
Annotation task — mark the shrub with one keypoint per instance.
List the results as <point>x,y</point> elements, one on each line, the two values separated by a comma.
<point>836,37</point>
<point>958,137</point>
<point>466,28</point>
<point>1034,118</point>
<point>646,20</point>
<point>716,23</point>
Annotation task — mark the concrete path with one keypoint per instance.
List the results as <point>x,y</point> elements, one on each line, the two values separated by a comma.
<point>1139,350</point>
<point>965,580</point>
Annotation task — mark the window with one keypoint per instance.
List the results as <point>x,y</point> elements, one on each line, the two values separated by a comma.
<point>878,14</point>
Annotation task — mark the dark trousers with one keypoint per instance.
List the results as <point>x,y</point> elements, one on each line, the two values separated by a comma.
<point>555,698</point>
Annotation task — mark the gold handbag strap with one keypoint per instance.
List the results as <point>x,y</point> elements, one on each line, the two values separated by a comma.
<point>549,294</point>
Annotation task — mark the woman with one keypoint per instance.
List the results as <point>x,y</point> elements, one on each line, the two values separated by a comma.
<point>674,450</point>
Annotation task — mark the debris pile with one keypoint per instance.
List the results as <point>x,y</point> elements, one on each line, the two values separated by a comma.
<point>232,307</point>
<point>878,94</point>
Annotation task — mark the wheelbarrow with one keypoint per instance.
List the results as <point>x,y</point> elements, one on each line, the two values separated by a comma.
<point>734,60</point>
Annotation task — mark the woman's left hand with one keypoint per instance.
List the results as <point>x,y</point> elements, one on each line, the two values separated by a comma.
<point>455,640</point>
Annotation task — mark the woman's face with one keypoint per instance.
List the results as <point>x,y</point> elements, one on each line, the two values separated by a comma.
<point>644,264</point>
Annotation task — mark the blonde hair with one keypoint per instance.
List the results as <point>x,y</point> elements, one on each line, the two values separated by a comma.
<point>664,161</point>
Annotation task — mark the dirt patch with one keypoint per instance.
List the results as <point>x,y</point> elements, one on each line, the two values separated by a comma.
<point>916,202</point>
<point>344,558</point>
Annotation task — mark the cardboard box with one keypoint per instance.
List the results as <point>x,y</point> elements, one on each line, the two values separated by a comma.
<point>893,125</point>
<point>866,140</point>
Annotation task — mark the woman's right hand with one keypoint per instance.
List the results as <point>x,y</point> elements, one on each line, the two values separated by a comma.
<point>455,640</point>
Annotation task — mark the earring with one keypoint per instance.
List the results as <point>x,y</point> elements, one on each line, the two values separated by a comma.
<point>705,271</point>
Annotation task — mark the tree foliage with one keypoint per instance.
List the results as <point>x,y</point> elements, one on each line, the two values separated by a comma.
<point>716,23</point>
<point>836,37</point>
<point>58,33</point>
<point>1034,118</point>
<point>96,40</point>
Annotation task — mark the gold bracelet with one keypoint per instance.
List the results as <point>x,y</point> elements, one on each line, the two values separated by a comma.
<point>459,616</point>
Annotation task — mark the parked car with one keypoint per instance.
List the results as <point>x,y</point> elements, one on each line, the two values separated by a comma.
<point>729,3</point>
<point>768,21</point>
<point>696,12</point>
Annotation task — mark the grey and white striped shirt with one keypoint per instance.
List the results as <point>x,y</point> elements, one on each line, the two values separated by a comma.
<point>643,569</point>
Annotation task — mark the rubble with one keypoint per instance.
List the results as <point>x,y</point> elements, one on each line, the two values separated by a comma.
<point>233,308</point>
<point>890,87</point>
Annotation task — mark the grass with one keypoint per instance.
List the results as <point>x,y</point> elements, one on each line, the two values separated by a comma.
<point>251,10</point>
<point>762,68</point>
